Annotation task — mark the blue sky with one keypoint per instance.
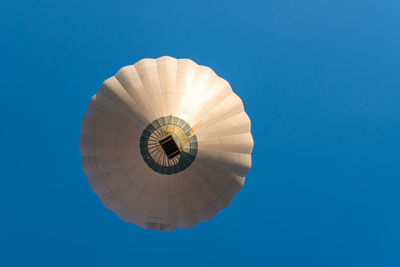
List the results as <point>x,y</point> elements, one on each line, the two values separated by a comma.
<point>319,80</point>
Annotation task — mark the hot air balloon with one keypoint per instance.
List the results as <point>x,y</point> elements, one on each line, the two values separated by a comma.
<point>165,143</point>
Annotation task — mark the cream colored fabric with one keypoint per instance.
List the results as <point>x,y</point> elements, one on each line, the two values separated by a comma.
<point>116,117</point>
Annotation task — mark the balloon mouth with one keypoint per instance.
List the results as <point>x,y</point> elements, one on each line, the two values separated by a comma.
<point>168,145</point>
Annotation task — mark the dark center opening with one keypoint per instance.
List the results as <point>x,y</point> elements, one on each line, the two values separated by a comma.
<point>170,147</point>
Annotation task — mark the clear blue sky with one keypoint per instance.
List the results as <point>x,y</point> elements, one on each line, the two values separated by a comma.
<point>320,81</point>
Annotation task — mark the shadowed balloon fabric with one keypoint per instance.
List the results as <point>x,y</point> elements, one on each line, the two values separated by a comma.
<point>166,143</point>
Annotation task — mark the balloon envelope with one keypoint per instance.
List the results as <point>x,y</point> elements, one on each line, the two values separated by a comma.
<point>165,143</point>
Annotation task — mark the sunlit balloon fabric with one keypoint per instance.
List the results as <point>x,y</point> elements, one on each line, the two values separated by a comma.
<point>165,143</point>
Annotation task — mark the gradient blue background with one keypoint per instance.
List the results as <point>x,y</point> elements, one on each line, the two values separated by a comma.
<point>319,80</point>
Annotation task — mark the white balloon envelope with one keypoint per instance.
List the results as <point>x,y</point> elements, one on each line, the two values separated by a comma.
<point>165,143</point>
